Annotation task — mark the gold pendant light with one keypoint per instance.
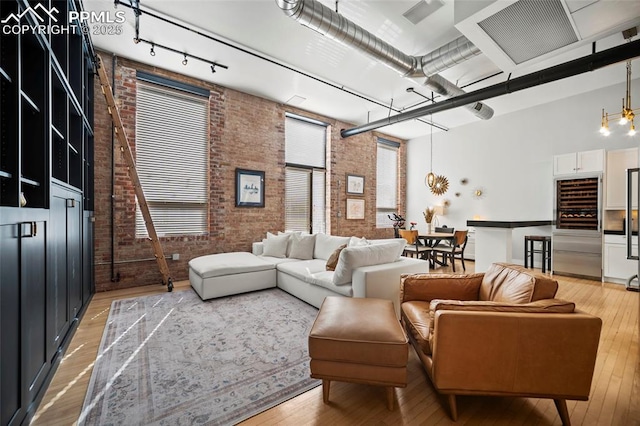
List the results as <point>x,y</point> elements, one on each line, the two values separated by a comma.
<point>437,184</point>
<point>627,113</point>
<point>430,180</point>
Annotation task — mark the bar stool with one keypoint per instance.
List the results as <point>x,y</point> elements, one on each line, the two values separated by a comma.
<point>544,250</point>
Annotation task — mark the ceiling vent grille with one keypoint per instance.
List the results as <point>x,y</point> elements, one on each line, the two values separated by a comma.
<point>530,28</point>
<point>421,10</point>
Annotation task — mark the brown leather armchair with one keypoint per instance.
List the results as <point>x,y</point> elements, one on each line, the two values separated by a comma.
<point>500,333</point>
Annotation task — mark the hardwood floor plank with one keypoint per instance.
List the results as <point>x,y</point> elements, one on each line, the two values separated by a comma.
<point>613,401</point>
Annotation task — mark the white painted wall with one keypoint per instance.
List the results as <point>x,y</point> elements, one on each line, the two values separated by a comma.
<point>511,158</point>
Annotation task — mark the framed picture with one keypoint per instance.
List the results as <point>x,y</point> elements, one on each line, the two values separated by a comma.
<point>355,184</point>
<point>355,209</point>
<point>249,188</point>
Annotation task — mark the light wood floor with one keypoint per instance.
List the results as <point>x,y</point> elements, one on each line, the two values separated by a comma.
<point>614,399</point>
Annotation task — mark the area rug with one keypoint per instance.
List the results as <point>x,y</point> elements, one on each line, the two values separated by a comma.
<point>172,359</point>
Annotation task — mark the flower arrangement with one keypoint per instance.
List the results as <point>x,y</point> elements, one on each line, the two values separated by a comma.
<point>413,225</point>
<point>429,214</point>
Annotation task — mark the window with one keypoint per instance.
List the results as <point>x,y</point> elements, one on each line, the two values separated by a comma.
<point>305,175</point>
<point>386,182</point>
<point>172,159</point>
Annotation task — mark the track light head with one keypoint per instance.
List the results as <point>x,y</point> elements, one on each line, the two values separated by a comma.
<point>152,52</point>
<point>184,61</point>
<point>213,68</point>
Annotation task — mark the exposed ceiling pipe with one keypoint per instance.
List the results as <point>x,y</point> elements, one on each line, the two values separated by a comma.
<point>568,69</point>
<point>322,19</point>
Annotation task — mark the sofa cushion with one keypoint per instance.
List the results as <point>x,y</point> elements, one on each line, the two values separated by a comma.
<point>354,257</point>
<point>509,283</point>
<point>415,316</point>
<point>313,272</point>
<point>276,245</point>
<point>439,286</point>
<point>326,244</point>
<point>301,246</point>
<point>215,265</point>
<point>355,241</point>
<point>332,261</point>
<point>545,306</point>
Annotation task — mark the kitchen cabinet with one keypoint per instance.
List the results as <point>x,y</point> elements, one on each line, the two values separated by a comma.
<point>618,162</point>
<point>470,248</point>
<point>617,268</point>
<point>578,162</point>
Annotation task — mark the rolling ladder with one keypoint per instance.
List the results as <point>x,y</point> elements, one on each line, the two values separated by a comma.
<point>133,174</point>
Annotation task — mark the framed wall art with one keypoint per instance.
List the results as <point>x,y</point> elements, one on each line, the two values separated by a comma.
<point>249,188</point>
<point>355,208</point>
<point>355,184</point>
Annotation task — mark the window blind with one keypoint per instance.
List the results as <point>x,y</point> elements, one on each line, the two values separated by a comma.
<point>386,184</point>
<point>172,159</point>
<point>305,143</point>
<point>305,175</point>
<point>297,209</point>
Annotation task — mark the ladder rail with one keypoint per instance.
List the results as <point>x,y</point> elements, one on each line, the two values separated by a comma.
<point>125,148</point>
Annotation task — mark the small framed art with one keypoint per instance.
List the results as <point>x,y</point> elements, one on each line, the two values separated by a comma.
<point>355,184</point>
<point>355,208</point>
<point>249,188</point>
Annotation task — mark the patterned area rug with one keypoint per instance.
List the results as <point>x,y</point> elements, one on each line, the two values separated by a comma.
<point>172,359</point>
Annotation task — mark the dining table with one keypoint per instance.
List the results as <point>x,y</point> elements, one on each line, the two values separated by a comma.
<point>431,239</point>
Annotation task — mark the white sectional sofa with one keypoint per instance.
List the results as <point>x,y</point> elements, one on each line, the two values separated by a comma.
<point>363,269</point>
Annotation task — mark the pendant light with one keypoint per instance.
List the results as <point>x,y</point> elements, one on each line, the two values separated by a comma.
<point>430,180</point>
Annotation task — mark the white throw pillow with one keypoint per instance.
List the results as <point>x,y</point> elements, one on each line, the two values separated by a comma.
<point>275,245</point>
<point>355,242</point>
<point>355,257</point>
<point>327,244</point>
<point>301,246</point>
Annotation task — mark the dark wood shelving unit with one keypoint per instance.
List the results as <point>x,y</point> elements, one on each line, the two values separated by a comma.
<point>577,204</point>
<point>46,201</point>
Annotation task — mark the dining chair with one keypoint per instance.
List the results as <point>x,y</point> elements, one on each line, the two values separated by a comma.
<point>456,249</point>
<point>444,230</point>
<point>414,247</point>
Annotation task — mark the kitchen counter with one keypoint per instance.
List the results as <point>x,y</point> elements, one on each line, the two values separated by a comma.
<point>509,224</point>
<point>494,239</point>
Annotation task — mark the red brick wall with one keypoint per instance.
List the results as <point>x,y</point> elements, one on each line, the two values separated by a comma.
<point>245,132</point>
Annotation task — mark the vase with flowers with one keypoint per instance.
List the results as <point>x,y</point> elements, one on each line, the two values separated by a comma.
<point>429,214</point>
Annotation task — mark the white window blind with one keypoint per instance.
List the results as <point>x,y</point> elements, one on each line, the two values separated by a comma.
<point>305,143</point>
<point>172,159</point>
<point>305,176</point>
<point>297,209</point>
<point>386,184</point>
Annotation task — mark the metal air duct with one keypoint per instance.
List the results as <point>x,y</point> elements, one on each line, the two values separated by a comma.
<point>322,19</point>
<point>568,69</point>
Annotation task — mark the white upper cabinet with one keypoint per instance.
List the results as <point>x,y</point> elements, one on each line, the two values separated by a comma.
<point>618,162</point>
<point>579,162</point>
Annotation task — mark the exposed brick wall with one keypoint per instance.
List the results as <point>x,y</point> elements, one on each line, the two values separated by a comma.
<point>245,132</point>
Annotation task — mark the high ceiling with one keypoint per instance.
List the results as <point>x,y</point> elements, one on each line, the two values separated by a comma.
<point>271,55</point>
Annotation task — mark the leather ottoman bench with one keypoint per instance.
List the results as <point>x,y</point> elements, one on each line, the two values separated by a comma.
<point>358,340</point>
<point>223,274</point>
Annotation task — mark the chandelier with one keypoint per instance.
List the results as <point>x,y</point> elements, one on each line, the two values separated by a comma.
<point>627,114</point>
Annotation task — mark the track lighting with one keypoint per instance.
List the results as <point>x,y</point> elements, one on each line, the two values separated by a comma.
<point>184,61</point>
<point>213,68</point>
<point>152,52</point>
